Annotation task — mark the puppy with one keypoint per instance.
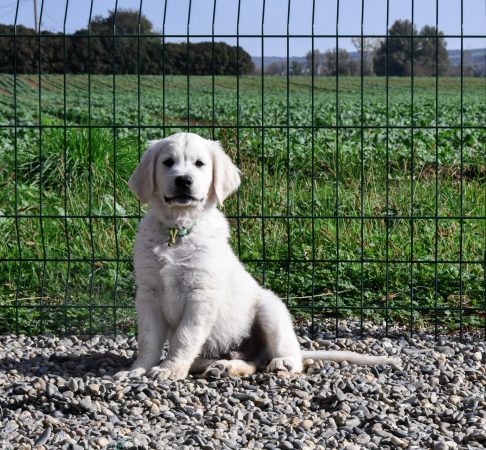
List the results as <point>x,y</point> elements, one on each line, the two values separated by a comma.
<point>192,291</point>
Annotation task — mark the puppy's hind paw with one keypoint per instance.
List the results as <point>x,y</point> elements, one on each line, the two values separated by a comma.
<point>286,364</point>
<point>217,370</point>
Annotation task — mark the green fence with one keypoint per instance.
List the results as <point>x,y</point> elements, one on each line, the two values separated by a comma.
<point>362,196</point>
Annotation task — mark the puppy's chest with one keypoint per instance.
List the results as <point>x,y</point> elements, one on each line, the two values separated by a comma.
<point>179,273</point>
<point>175,257</point>
<point>180,262</point>
<point>190,263</point>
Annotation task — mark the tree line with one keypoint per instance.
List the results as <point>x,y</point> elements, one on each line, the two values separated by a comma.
<point>136,48</point>
<point>98,51</point>
<point>405,51</point>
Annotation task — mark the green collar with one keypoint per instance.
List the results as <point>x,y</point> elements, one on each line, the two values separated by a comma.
<point>174,233</point>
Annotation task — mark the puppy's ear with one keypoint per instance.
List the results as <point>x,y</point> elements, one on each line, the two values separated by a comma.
<point>226,176</point>
<point>142,181</point>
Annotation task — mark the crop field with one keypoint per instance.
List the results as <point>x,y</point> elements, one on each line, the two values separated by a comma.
<point>358,197</point>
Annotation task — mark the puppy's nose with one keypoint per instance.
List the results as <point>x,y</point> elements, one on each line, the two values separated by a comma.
<point>183,182</point>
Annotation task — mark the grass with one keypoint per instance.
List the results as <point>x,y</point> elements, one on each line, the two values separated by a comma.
<point>67,218</point>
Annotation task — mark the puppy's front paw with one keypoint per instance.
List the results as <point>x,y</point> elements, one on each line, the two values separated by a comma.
<point>168,372</point>
<point>286,364</point>
<point>130,373</point>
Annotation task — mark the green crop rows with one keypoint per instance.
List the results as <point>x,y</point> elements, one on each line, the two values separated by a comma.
<point>74,274</point>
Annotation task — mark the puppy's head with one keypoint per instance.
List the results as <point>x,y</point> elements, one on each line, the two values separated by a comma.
<point>184,171</point>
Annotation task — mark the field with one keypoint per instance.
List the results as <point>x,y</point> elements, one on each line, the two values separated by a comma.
<point>409,242</point>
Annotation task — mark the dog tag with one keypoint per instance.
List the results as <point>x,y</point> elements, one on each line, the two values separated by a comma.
<point>172,236</point>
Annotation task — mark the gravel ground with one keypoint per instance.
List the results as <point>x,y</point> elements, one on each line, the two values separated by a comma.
<point>59,393</point>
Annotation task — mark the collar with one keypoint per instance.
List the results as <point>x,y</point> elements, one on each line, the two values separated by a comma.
<point>175,232</point>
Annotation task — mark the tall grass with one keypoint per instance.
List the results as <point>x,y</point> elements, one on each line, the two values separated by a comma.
<point>67,218</point>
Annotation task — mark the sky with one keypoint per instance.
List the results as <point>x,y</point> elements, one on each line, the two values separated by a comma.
<point>267,15</point>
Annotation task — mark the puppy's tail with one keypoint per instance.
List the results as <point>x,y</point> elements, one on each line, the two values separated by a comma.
<point>351,357</point>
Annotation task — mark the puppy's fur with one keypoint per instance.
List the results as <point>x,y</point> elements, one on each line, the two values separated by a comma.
<point>193,291</point>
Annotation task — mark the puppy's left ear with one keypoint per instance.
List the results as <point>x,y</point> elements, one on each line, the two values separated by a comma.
<point>226,176</point>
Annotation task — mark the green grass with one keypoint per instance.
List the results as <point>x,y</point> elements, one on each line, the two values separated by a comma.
<point>68,187</point>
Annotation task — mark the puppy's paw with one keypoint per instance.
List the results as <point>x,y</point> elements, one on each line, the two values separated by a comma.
<point>130,373</point>
<point>168,372</point>
<point>286,364</point>
<point>216,370</point>
<point>159,373</point>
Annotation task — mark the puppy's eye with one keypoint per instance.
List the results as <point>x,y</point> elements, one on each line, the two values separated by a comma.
<point>168,162</point>
<point>199,163</point>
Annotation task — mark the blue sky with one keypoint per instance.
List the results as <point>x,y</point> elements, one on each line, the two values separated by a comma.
<point>275,18</point>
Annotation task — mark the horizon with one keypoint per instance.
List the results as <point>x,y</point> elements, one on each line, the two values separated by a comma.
<point>357,51</point>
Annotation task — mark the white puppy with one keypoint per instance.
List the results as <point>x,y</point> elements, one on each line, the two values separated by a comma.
<point>192,290</point>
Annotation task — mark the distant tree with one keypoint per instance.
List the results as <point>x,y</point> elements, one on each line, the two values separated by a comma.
<point>107,53</point>
<point>476,67</point>
<point>369,47</point>
<point>395,55</point>
<point>98,50</point>
<point>205,59</point>
<point>296,67</point>
<point>468,67</point>
<point>26,56</point>
<point>315,62</point>
<point>124,22</point>
<point>431,52</point>
<point>339,63</point>
<point>276,68</point>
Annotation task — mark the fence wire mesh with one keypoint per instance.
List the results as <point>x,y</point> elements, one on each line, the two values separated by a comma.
<point>363,189</point>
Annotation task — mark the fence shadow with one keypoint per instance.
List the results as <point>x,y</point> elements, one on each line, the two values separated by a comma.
<point>96,364</point>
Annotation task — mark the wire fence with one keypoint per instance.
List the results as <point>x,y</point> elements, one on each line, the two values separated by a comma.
<point>363,196</point>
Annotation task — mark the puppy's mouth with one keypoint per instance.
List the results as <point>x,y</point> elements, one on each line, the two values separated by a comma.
<point>182,200</point>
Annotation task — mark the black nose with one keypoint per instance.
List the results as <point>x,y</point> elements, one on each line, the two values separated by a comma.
<point>183,182</point>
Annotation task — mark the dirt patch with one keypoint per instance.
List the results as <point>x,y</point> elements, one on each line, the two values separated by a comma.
<point>30,82</point>
<point>469,172</point>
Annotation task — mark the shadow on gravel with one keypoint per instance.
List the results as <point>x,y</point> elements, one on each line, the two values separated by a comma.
<point>67,365</point>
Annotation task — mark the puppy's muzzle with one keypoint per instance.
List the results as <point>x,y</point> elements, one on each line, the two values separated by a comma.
<point>183,191</point>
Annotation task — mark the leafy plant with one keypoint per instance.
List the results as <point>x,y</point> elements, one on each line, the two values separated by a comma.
<point>68,220</point>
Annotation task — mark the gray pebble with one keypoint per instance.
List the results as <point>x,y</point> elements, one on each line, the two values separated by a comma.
<point>80,405</point>
<point>43,438</point>
<point>72,385</point>
<point>362,439</point>
<point>87,405</point>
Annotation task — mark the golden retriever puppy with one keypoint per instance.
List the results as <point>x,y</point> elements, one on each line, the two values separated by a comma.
<point>192,290</point>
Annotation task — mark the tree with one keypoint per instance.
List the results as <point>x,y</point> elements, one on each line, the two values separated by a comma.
<point>340,63</point>
<point>26,56</point>
<point>469,68</point>
<point>369,47</point>
<point>315,62</point>
<point>296,67</point>
<point>204,58</point>
<point>395,55</point>
<point>98,50</point>
<point>431,52</point>
<point>276,68</point>
<point>108,54</point>
<point>125,22</point>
